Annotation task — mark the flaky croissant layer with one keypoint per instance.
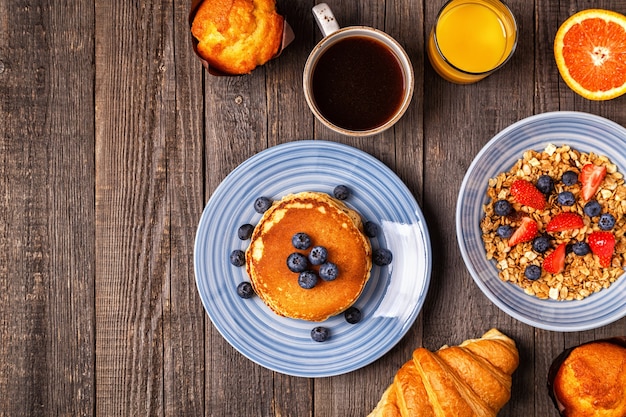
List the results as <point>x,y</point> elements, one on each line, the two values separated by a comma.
<point>472,379</point>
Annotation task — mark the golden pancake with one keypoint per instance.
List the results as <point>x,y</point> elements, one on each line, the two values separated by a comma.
<point>329,223</point>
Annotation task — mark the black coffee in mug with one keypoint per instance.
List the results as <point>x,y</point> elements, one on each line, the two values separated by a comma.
<point>358,84</point>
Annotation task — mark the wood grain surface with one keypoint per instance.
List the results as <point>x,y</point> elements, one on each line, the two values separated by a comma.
<point>113,138</point>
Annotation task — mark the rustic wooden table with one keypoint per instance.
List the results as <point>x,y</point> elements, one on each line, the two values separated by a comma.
<point>112,140</point>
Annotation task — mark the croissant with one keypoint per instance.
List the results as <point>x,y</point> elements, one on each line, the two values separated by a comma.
<point>472,379</point>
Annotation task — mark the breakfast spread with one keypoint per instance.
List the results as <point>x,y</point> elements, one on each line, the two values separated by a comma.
<point>236,36</point>
<point>473,378</point>
<point>555,223</point>
<point>591,381</point>
<point>308,257</point>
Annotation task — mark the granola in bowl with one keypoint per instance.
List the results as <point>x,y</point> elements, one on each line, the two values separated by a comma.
<point>555,223</point>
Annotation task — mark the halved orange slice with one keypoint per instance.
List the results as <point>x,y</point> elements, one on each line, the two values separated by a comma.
<point>590,53</point>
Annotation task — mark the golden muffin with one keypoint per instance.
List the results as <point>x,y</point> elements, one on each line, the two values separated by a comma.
<point>235,36</point>
<point>591,381</point>
<point>329,223</point>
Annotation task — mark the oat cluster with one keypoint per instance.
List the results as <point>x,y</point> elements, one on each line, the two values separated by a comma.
<point>582,275</point>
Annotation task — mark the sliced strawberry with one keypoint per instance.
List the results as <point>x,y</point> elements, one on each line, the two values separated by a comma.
<point>590,177</point>
<point>565,221</point>
<point>555,261</point>
<point>527,194</point>
<point>526,231</point>
<point>602,244</point>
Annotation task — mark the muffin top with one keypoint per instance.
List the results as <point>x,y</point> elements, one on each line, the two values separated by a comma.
<point>592,381</point>
<point>236,36</point>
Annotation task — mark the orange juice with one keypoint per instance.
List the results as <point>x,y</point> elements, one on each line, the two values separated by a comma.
<point>471,39</point>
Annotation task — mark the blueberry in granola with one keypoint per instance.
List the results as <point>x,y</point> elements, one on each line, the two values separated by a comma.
<point>569,178</point>
<point>606,221</point>
<point>532,272</point>
<point>566,198</point>
<point>545,184</point>
<point>505,231</point>
<point>592,208</point>
<point>541,244</point>
<point>580,248</point>
<point>502,208</point>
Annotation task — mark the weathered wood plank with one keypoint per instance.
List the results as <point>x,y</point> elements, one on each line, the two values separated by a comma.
<point>47,209</point>
<point>132,211</point>
<point>184,317</point>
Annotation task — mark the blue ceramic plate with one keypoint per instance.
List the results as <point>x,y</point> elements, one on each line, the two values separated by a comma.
<point>392,298</point>
<point>581,131</point>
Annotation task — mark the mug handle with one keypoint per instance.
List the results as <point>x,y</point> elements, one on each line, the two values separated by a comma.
<point>325,19</point>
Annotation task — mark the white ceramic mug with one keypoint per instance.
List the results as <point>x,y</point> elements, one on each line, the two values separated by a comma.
<point>357,80</point>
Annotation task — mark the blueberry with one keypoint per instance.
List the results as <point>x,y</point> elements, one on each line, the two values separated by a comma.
<point>569,178</point>
<point>541,244</point>
<point>341,192</point>
<point>296,262</point>
<point>307,279</point>
<point>580,248</point>
<point>262,204</point>
<point>606,221</point>
<point>545,184</point>
<point>245,231</point>
<point>566,198</point>
<point>502,208</point>
<point>320,334</point>
<point>504,231</point>
<point>532,272</point>
<point>592,208</point>
<point>318,255</point>
<point>238,257</point>
<point>382,257</point>
<point>328,271</point>
<point>352,315</point>
<point>371,229</point>
<point>301,241</point>
<point>245,290</point>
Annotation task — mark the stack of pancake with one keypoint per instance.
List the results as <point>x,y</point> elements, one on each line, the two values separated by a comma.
<point>329,223</point>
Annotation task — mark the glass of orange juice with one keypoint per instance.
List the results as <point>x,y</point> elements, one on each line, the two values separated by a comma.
<point>471,39</point>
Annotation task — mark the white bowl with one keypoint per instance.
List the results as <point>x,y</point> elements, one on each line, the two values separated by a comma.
<point>581,131</point>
